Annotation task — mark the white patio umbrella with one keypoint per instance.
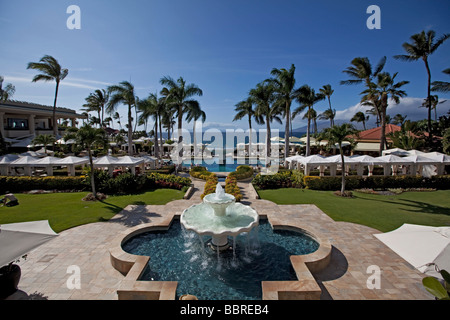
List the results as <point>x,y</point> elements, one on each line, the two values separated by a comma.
<point>18,239</point>
<point>420,246</point>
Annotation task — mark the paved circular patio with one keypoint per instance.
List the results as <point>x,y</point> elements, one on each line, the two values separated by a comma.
<point>46,273</point>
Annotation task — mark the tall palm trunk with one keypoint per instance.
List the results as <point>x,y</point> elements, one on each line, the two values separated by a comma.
<point>384,104</point>
<point>130,132</point>
<point>268,144</point>
<point>180,136</point>
<point>91,162</point>
<point>286,131</point>
<point>55,125</point>
<point>156,139</point>
<point>342,169</point>
<point>308,134</point>
<point>430,138</point>
<point>250,136</point>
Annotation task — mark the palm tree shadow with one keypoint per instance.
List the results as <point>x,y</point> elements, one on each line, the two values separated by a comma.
<point>136,214</point>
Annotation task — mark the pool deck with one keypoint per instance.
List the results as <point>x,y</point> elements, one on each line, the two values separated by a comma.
<point>45,273</point>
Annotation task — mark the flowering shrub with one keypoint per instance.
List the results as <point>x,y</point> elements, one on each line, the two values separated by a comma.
<point>210,185</point>
<point>232,188</point>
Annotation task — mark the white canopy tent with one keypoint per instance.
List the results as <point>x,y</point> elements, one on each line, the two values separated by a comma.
<point>130,162</point>
<point>18,239</point>
<point>420,246</point>
<point>26,162</point>
<point>70,162</point>
<point>108,162</point>
<point>48,163</point>
<point>5,161</point>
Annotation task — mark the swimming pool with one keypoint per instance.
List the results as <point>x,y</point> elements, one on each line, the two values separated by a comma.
<point>228,165</point>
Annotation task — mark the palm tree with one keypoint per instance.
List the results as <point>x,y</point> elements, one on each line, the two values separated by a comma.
<point>8,92</point>
<point>339,134</point>
<point>384,89</point>
<point>441,86</point>
<point>307,97</point>
<point>284,82</point>
<point>312,115</point>
<point>361,72</point>
<point>50,70</point>
<point>116,116</point>
<point>245,109</point>
<point>421,47</point>
<point>45,140</point>
<point>89,138</point>
<point>328,114</point>
<point>97,102</point>
<point>123,94</point>
<point>263,96</point>
<point>408,138</point>
<point>360,117</point>
<point>399,119</point>
<point>327,91</point>
<point>195,114</point>
<point>178,95</point>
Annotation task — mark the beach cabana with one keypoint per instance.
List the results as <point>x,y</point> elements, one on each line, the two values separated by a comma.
<point>363,161</point>
<point>4,163</point>
<point>26,163</point>
<point>312,162</point>
<point>129,162</point>
<point>48,163</point>
<point>151,161</point>
<point>441,160</point>
<point>395,152</point>
<point>107,162</point>
<point>426,166</point>
<point>391,162</point>
<point>70,162</point>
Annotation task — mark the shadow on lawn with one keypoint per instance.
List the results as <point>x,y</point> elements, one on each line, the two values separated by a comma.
<point>136,215</point>
<point>411,205</point>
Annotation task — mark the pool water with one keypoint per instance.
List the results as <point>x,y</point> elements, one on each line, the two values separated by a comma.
<point>235,274</point>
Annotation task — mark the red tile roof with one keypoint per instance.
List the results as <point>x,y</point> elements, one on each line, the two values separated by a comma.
<point>375,133</point>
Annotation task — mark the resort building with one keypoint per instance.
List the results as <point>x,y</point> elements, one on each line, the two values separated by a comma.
<point>369,140</point>
<point>24,119</point>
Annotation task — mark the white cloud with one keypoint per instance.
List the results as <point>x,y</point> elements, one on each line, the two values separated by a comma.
<point>408,106</point>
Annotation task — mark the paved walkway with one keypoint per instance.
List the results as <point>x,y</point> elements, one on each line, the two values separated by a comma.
<point>45,273</point>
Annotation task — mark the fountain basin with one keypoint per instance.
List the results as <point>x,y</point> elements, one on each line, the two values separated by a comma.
<point>205,221</point>
<point>219,205</point>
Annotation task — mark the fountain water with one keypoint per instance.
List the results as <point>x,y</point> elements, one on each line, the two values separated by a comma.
<point>220,217</point>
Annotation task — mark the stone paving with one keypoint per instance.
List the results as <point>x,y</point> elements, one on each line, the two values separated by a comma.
<point>45,274</point>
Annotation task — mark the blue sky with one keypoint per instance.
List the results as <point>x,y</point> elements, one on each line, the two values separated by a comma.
<point>225,47</point>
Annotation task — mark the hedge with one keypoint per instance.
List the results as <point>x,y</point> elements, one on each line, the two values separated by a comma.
<point>20,184</point>
<point>124,183</point>
<point>377,182</point>
<point>232,188</point>
<point>284,179</point>
<point>210,186</point>
<point>242,172</point>
<point>200,173</point>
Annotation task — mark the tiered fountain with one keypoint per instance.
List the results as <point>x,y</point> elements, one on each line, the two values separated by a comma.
<point>220,217</point>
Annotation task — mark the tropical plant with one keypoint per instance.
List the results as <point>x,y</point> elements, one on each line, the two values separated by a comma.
<point>151,107</point>
<point>339,134</point>
<point>307,98</point>
<point>50,70</point>
<point>89,138</point>
<point>408,137</point>
<point>441,86</point>
<point>436,288</point>
<point>263,96</point>
<point>245,109</point>
<point>384,89</point>
<point>123,94</point>
<point>45,140</point>
<point>446,141</point>
<point>399,119</point>
<point>421,47</point>
<point>178,95</point>
<point>434,102</point>
<point>283,83</point>
<point>7,92</point>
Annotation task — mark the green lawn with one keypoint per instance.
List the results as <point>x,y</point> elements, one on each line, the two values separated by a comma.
<point>384,213</point>
<point>67,210</point>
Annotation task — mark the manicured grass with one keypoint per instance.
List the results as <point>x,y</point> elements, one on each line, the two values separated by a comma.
<point>67,210</point>
<point>384,213</point>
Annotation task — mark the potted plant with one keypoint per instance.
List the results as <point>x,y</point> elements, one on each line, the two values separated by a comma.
<point>9,278</point>
<point>440,290</point>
